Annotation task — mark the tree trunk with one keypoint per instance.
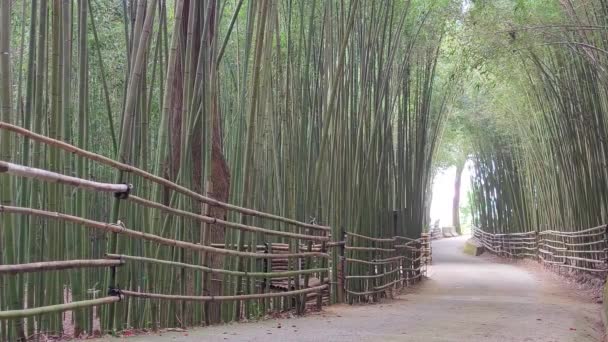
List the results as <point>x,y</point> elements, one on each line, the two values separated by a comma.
<point>456,202</point>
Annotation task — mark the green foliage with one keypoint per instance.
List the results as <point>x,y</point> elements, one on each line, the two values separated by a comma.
<point>540,115</point>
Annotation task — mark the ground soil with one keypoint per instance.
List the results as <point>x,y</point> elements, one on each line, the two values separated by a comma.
<point>466,298</point>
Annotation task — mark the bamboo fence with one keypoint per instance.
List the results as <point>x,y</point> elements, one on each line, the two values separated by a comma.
<point>277,259</point>
<point>293,273</point>
<point>585,250</point>
<point>377,267</point>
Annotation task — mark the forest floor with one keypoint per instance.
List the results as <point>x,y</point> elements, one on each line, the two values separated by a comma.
<point>465,299</point>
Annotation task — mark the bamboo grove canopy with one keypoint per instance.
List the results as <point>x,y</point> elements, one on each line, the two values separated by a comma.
<point>542,155</point>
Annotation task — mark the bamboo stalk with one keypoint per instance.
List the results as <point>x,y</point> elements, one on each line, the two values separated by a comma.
<point>14,314</point>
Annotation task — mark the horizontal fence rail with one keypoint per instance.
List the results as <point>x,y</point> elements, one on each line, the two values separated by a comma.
<point>585,250</point>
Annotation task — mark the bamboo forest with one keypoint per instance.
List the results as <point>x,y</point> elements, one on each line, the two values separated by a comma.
<point>326,170</point>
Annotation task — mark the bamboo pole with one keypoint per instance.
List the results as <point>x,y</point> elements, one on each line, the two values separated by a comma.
<point>223,298</point>
<point>379,275</point>
<point>370,238</point>
<point>159,180</point>
<point>53,177</point>
<point>369,249</point>
<point>213,220</point>
<point>57,265</point>
<point>119,229</point>
<point>218,271</point>
<point>14,314</point>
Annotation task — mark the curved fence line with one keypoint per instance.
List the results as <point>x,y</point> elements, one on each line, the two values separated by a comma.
<point>375,265</point>
<point>585,250</point>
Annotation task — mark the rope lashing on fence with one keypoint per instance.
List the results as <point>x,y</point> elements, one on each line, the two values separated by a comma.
<point>114,228</point>
<point>156,179</point>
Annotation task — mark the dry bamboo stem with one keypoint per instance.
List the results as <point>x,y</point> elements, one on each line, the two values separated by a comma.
<point>57,265</point>
<point>223,298</point>
<point>387,285</point>
<point>404,238</point>
<point>370,249</point>
<point>370,238</point>
<point>159,180</point>
<point>561,264</point>
<point>362,293</point>
<point>585,243</point>
<point>213,220</point>
<point>377,262</point>
<point>373,276</point>
<point>119,229</point>
<point>13,314</point>
<point>593,261</point>
<point>411,248</point>
<point>602,227</point>
<point>52,177</point>
<point>218,271</point>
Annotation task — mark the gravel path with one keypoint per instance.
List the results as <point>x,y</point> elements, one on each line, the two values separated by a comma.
<point>466,299</point>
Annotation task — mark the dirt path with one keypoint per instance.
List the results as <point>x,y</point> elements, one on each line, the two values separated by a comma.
<point>466,299</point>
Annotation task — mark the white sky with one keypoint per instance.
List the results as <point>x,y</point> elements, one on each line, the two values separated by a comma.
<point>443,193</point>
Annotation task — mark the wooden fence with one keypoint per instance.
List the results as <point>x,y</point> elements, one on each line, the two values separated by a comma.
<point>286,266</point>
<point>295,266</point>
<point>375,267</point>
<point>585,250</point>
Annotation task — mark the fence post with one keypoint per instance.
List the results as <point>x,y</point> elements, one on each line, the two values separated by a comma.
<point>606,244</point>
<point>536,245</point>
<point>321,277</point>
<point>341,269</point>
